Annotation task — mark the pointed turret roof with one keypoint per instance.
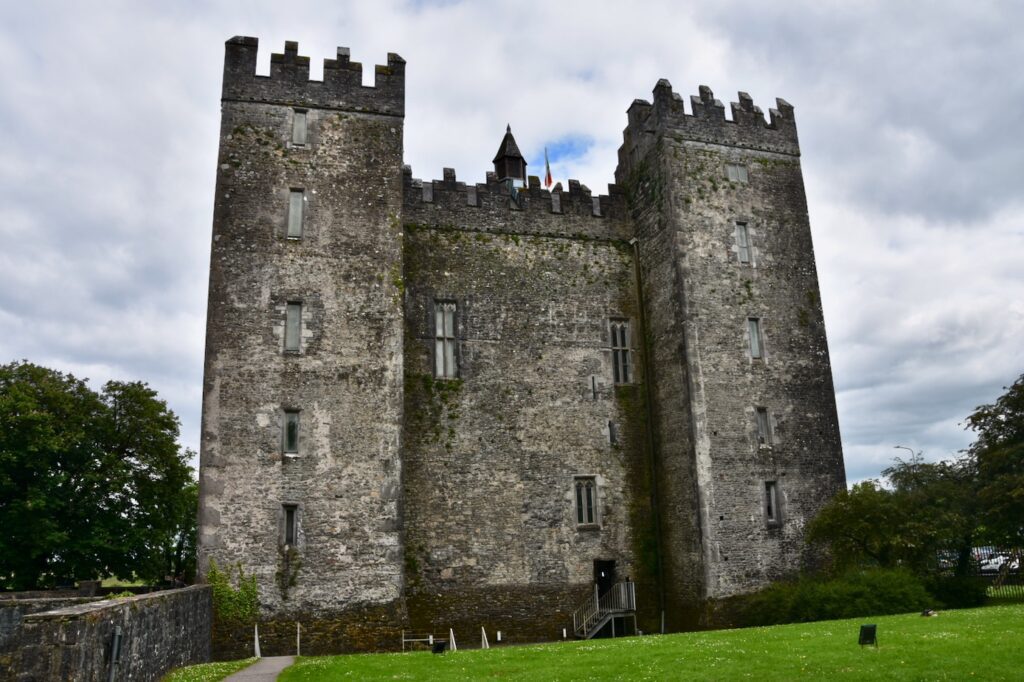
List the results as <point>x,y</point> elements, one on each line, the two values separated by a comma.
<point>509,148</point>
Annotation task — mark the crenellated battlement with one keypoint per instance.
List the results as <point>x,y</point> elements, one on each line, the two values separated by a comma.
<point>577,200</point>
<point>529,209</point>
<point>707,123</point>
<point>289,83</point>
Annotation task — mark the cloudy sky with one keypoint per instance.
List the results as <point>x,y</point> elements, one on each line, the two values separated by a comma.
<point>911,120</point>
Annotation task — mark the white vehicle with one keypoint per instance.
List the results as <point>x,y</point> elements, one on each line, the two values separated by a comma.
<point>994,564</point>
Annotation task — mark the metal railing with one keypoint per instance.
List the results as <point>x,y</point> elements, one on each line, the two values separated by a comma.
<point>621,598</point>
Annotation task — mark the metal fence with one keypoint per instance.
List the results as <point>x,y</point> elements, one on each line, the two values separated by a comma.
<point>999,567</point>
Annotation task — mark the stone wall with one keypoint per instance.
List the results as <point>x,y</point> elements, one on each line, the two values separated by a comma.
<point>357,629</point>
<point>13,610</point>
<point>492,455</point>
<point>160,631</point>
<point>679,517</point>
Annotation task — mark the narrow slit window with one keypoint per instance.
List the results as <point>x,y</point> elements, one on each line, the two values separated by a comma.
<point>290,435</point>
<point>444,340</point>
<point>296,205</point>
<point>290,524</point>
<point>586,500</point>
<point>771,502</point>
<point>299,127</point>
<point>764,431</point>
<point>293,326</point>
<point>756,344</point>
<point>613,433</point>
<point>621,370</point>
<point>742,242</point>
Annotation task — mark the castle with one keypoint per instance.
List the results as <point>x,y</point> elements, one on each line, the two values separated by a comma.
<point>434,404</point>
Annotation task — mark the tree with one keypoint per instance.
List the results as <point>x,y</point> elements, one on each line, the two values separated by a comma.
<point>999,455</point>
<point>927,507</point>
<point>938,507</point>
<point>933,507</point>
<point>91,484</point>
<point>860,526</point>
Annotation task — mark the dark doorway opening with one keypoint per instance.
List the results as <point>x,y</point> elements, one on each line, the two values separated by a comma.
<point>604,575</point>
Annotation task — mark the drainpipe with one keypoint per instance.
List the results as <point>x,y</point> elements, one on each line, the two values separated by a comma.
<point>115,652</point>
<point>649,422</point>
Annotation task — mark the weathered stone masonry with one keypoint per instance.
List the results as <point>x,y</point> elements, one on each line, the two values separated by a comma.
<point>72,639</point>
<point>414,499</point>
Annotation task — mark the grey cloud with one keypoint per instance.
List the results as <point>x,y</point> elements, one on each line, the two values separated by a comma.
<point>913,104</point>
<point>908,120</point>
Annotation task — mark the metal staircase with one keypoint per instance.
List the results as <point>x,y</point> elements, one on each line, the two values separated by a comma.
<point>597,610</point>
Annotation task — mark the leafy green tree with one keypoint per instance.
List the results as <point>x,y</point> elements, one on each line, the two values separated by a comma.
<point>90,484</point>
<point>860,526</point>
<point>938,507</point>
<point>999,455</point>
<point>927,507</point>
<point>140,434</point>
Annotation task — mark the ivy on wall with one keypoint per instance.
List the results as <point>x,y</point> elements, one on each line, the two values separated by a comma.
<point>233,604</point>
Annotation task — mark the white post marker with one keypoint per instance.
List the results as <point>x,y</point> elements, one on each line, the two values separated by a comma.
<point>563,633</point>
<point>298,639</point>
<point>499,636</point>
<point>256,636</point>
<point>483,638</point>
<point>451,639</point>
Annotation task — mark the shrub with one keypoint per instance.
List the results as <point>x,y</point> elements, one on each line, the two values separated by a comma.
<point>233,604</point>
<point>869,592</point>
<point>958,592</point>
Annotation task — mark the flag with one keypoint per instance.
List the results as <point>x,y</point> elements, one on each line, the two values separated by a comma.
<point>547,170</point>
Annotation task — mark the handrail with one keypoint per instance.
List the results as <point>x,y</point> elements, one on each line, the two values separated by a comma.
<point>621,597</point>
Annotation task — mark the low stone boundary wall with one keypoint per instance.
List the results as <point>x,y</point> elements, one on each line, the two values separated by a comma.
<point>159,631</point>
<point>357,630</point>
<point>14,609</point>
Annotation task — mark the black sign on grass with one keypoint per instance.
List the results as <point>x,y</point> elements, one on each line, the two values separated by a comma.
<point>868,635</point>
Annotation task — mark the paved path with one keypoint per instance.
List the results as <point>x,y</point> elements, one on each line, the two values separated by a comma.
<point>263,670</point>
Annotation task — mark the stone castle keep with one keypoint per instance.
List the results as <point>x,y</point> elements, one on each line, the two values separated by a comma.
<point>440,404</point>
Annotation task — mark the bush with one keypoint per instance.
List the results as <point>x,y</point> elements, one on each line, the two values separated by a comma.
<point>869,592</point>
<point>958,592</point>
<point>233,604</point>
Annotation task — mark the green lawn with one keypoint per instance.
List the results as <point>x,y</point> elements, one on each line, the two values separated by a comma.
<point>117,582</point>
<point>207,672</point>
<point>986,643</point>
<point>1006,592</point>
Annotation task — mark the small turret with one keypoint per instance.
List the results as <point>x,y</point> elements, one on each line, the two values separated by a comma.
<point>509,163</point>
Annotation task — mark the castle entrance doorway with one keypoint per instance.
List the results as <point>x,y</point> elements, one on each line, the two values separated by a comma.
<point>604,575</point>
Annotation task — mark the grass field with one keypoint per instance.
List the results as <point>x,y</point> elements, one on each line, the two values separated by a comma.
<point>986,643</point>
<point>207,672</point>
<point>1006,592</point>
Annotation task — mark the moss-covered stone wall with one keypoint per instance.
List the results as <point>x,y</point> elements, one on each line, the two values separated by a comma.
<point>490,526</point>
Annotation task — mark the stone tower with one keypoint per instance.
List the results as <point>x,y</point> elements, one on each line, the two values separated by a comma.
<point>746,428</point>
<point>433,404</point>
<point>302,406</point>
